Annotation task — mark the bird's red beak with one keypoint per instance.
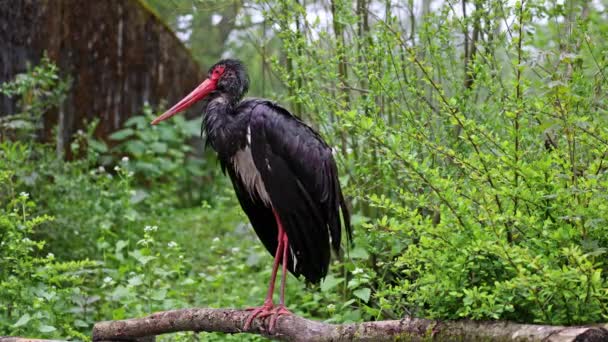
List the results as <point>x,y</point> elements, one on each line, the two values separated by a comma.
<point>196,95</point>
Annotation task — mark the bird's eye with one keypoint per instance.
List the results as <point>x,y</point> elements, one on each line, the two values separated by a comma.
<point>217,72</point>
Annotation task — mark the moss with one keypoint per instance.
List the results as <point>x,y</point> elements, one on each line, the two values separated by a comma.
<point>148,9</point>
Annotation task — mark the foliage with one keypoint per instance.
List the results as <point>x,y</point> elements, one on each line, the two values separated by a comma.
<point>130,259</point>
<point>30,305</point>
<point>476,149</point>
<point>213,29</point>
<point>472,146</point>
<point>39,89</point>
<point>82,242</point>
<point>162,157</point>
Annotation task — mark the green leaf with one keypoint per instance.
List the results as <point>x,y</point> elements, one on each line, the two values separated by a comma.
<point>98,146</point>
<point>19,124</point>
<point>347,303</point>
<point>330,282</point>
<point>135,281</point>
<point>148,168</point>
<point>167,133</point>
<point>136,148</point>
<point>119,313</point>
<point>122,134</point>
<point>80,323</point>
<point>46,328</point>
<point>363,294</point>
<point>23,320</point>
<point>120,292</point>
<point>143,259</point>
<point>120,244</point>
<point>138,122</point>
<point>358,253</point>
<point>159,147</point>
<point>193,127</point>
<point>159,294</point>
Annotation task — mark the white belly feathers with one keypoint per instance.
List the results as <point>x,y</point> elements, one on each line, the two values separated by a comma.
<point>251,177</point>
<point>245,168</point>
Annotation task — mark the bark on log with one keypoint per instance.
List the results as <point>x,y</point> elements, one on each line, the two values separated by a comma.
<point>294,328</point>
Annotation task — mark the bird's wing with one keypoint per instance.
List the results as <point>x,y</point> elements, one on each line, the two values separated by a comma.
<point>259,214</point>
<point>300,175</point>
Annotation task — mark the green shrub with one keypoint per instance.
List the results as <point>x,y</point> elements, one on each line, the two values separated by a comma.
<point>39,90</point>
<point>483,170</point>
<point>34,287</point>
<point>163,158</point>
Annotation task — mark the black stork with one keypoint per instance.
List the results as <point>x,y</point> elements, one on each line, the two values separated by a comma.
<point>283,174</point>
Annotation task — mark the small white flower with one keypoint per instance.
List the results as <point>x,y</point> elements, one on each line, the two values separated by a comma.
<point>172,244</point>
<point>116,168</point>
<point>215,239</point>
<point>357,271</point>
<point>50,256</point>
<point>125,159</point>
<point>101,169</point>
<point>181,256</point>
<point>148,229</point>
<point>24,195</point>
<point>107,279</point>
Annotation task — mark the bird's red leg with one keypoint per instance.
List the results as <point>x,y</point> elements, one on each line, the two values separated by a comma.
<point>266,308</point>
<point>284,274</point>
<point>280,309</point>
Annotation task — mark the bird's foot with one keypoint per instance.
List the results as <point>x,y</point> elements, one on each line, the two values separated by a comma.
<point>279,310</point>
<point>265,310</point>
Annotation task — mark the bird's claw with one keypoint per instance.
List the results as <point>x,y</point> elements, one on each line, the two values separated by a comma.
<point>261,311</point>
<point>276,312</point>
<point>268,309</point>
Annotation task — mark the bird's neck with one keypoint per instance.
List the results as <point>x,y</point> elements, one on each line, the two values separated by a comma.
<point>219,121</point>
<point>220,104</point>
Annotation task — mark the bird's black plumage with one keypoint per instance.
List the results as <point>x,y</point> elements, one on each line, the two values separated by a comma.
<point>275,161</point>
<point>283,173</point>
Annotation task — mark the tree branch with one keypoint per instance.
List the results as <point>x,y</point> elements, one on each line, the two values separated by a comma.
<point>295,328</point>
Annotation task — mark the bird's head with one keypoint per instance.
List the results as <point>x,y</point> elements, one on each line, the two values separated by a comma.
<point>227,76</point>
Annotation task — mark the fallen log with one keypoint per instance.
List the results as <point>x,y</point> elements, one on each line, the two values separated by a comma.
<point>295,328</point>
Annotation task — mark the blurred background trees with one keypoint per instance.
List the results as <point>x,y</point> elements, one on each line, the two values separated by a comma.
<point>471,136</point>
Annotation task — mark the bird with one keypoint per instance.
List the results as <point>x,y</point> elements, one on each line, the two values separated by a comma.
<point>283,173</point>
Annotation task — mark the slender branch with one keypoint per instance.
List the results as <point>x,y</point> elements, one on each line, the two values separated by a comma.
<point>294,328</point>
<point>516,121</point>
